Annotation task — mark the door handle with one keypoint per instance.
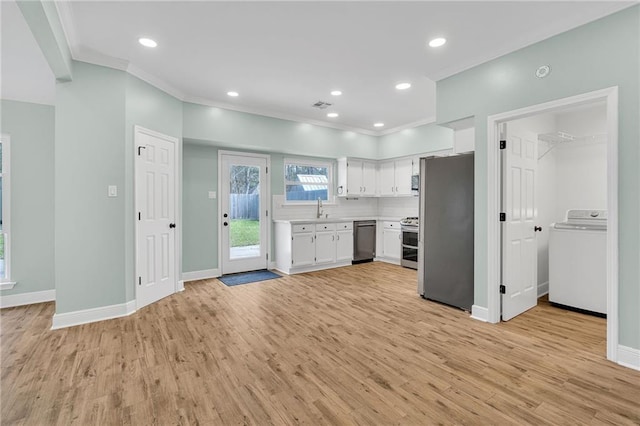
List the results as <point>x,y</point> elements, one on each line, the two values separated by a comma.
<point>225,223</point>
<point>172,225</point>
<point>537,229</point>
<point>225,215</point>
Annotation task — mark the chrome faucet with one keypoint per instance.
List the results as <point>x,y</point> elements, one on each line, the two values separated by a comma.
<point>319,211</point>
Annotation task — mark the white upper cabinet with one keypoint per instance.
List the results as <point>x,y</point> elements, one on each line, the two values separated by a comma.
<point>394,177</point>
<point>386,179</point>
<point>356,177</point>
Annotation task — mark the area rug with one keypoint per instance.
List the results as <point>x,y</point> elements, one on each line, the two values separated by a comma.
<point>248,277</point>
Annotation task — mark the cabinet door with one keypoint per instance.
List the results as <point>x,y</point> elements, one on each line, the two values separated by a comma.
<point>354,177</point>
<point>303,251</point>
<point>391,243</point>
<point>369,178</point>
<point>344,245</point>
<point>325,247</point>
<point>386,179</point>
<point>404,168</point>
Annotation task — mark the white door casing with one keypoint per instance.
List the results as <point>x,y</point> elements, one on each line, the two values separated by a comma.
<point>156,215</point>
<point>519,248</point>
<point>493,248</point>
<point>249,258</point>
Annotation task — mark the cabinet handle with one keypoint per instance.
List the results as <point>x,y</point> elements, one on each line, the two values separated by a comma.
<point>333,238</point>
<point>311,239</point>
<point>396,189</point>
<point>338,237</point>
<point>365,189</point>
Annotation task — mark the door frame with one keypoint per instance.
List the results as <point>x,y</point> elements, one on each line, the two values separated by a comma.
<point>177,181</point>
<point>267,189</point>
<point>494,180</point>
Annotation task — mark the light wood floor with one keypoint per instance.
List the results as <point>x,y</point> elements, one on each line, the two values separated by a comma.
<point>353,345</point>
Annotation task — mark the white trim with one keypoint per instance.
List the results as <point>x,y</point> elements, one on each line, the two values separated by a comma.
<point>278,115</point>
<point>177,192</point>
<point>87,55</point>
<point>387,260</point>
<point>204,274</point>
<point>5,140</point>
<point>313,268</point>
<point>27,298</point>
<point>629,357</point>
<point>479,313</point>
<point>86,316</point>
<point>329,164</point>
<point>155,81</point>
<point>180,286</point>
<point>411,125</point>
<point>272,265</point>
<point>268,201</point>
<point>65,13</point>
<point>610,95</point>
<point>7,285</point>
<point>543,288</point>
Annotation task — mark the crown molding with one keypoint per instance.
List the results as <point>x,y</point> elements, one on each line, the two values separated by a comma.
<point>155,81</point>
<point>279,115</point>
<point>424,121</point>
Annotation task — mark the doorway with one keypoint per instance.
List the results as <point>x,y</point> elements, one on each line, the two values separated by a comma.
<point>156,195</point>
<point>244,227</point>
<point>527,289</point>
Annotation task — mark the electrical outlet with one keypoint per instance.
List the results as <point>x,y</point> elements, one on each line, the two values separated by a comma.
<point>212,194</point>
<point>113,191</point>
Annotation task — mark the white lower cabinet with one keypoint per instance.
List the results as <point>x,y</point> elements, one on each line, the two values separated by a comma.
<point>391,241</point>
<point>308,247</point>
<point>303,249</point>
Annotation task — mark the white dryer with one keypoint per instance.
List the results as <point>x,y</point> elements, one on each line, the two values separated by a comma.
<point>578,261</point>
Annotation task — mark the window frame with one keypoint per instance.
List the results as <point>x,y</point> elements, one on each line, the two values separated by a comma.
<point>312,163</point>
<point>5,141</point>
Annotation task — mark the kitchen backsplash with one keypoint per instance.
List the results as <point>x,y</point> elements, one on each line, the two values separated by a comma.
<point>360,207</point>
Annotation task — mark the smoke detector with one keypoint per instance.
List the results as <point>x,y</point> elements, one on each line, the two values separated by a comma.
<point>321,105</point>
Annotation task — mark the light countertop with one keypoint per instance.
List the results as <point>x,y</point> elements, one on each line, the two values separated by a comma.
<point>335,219</point>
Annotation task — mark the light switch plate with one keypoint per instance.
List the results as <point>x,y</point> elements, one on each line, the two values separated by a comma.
<point>212,194</point>
<point>113,191</point>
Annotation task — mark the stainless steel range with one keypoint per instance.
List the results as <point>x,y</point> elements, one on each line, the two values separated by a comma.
<point>409,229</point>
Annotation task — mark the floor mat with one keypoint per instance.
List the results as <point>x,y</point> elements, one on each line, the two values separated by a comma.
<point>248,277</point>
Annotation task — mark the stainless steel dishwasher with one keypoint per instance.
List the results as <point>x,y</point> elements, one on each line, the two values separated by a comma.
<point>364,240</point>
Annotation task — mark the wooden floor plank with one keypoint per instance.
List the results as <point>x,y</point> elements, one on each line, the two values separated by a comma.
<point>353,345</point>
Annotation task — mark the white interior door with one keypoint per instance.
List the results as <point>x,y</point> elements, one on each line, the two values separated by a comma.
<point>155,189</point>
<point>519,248</point>
<point>243,201</point>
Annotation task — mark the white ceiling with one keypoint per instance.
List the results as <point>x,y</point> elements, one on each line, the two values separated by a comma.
<point>26,75</point>
<point>284,56</point>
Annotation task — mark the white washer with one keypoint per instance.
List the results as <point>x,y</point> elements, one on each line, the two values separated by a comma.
<point>578,261</point>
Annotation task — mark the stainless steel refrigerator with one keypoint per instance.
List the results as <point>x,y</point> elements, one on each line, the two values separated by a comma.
<point>445,245</point>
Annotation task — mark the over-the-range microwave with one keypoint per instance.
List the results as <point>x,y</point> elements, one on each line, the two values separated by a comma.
<point>415,183</point>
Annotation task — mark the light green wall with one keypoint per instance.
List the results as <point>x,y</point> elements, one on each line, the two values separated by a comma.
<point>155,110</point>
<point>200,214</point>
<point>233,129</point>
<point>418,140</point>
<point>90,156</point>
<point>601,54</point>
<point>31,128</point>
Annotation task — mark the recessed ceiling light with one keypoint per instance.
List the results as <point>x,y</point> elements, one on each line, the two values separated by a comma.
<point>378,125</point>
<point>332,115</point>
<point>147,42</point>
<point>336,93</point>
<point>437,42</point>
<point>233,94</point>
<point>403,86</point>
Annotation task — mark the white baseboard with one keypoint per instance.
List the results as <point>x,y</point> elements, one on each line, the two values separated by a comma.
<point>387,260</point>
<point>543,289</point>
<point>479,313</point>
<point>200,275</point>
<point>272,265</point>
<point>27,298</point>
<point>180,286</point>
<point>85,316</point>
<point>629,357</point>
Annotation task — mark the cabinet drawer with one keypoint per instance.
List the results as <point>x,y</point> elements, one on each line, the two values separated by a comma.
<point>303,228</point>
<point>344,225</point>
<point>325,227</point>
<point>391,225</point>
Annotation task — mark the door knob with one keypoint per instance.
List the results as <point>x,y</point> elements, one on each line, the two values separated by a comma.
<point>225,215</point>
<point>537,228</point>
<point>172,225</point>
<point>225,223</point>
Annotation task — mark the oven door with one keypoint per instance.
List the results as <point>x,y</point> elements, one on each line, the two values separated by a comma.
<point>409,248</point>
